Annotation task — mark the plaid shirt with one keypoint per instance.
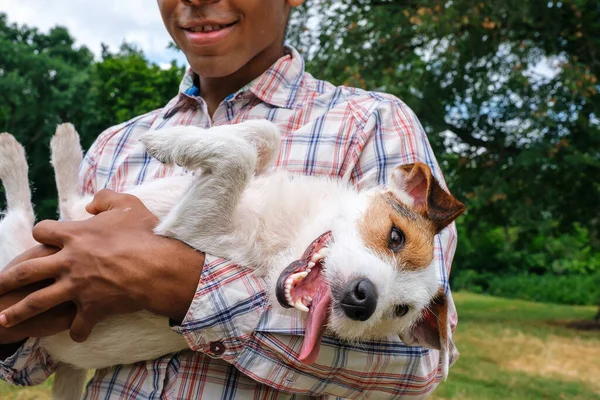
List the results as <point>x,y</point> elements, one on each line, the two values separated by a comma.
<point>240,347</point>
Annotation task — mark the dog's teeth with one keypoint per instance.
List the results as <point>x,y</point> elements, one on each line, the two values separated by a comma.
<point>299,305</point>
<point>324,252</point>
<point>299,275</point>
<point>315,257</point>
<point>310,265</point>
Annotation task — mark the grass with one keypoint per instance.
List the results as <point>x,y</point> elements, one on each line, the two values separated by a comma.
<point>510,350</point>
<point>513,349</point>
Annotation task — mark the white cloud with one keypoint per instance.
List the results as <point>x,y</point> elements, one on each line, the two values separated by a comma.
<point>93,22</point>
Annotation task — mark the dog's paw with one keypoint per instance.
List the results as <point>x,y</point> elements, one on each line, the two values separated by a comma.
<point>12,155</point>
<point>265,136</point>
<point>159,145</point>
<point>66,147</point>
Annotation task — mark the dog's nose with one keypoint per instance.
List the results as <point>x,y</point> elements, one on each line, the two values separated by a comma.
<point>360,300</point>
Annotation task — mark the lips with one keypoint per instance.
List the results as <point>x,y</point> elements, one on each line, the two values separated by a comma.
<point>302,285</point>
<point>207,33</point>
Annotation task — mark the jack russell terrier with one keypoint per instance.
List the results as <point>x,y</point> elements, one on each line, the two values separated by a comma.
<point>357,263</point>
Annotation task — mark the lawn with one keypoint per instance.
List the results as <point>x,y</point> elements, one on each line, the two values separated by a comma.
<point>514,349</point>
<point>509,349</point>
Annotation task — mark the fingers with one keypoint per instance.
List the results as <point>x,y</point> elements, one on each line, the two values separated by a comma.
<point>52,233</point>
<point>34,304</point>
<point>33,253</point>
<point>81,328</point>
<point>30,271</point>
<point>106,200</point>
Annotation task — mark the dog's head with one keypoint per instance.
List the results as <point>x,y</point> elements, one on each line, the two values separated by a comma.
<point>371,275</point>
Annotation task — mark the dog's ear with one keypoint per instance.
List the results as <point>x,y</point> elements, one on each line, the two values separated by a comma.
<point>433,331</point>
<point>416,185</point>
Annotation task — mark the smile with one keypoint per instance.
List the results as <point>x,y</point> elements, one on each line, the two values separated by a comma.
<point>208,34</point>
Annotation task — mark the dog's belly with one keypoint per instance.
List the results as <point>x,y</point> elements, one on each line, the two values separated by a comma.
<point>120,339</point>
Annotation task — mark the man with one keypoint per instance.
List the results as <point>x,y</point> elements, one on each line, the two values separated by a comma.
<point>113,263</point>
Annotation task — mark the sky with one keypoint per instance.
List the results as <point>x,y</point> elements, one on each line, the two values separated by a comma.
<point>93,22</point>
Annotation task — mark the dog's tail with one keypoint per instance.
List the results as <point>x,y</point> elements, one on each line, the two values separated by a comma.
<point>66,159</point>
<point>68,383</point>
<point>14,174</point>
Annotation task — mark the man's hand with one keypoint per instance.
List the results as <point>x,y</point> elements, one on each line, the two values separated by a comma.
<point>49,323</point>
<point>112,263</point>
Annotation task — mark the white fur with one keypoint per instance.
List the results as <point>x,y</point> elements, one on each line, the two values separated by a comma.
<point>229,209</point>
<point>15,227</point>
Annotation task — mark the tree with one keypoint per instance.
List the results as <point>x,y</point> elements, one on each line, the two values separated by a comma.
<point>46,80</point>
<point>126,84</point>
<point>508,93</point>
<point>43,82</point>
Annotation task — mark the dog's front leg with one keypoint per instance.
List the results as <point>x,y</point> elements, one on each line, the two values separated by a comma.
<point>225,163</point>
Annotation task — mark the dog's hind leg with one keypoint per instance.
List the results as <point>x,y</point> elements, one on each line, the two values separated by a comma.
<point>66,159</point>
<point>15,227</point>
<point>227,157</point>
<point>68,383</point>
<point>14,175</point>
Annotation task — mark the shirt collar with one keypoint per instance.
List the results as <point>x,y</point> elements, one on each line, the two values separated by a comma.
<point>277,86</point>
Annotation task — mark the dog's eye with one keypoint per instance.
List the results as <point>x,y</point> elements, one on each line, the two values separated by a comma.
<point>402,310</point>
<point>396,239</point>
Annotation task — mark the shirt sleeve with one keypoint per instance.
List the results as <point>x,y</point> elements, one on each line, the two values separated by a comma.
<point>230,318</point>
<point>28,366</point>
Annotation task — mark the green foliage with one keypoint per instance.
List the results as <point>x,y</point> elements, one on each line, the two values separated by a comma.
<point>43,81</point>
<point>46,80</point>
<point>547,288</point>
<point>512,250</point>
<point>126,85</point>
<point>508,93</point>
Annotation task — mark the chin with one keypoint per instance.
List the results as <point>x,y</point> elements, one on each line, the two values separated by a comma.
<point>214,66</point>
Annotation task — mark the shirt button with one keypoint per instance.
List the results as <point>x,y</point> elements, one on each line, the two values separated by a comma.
<point>217,348</point>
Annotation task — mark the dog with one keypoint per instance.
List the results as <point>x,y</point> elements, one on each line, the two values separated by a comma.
<point>358,264</point>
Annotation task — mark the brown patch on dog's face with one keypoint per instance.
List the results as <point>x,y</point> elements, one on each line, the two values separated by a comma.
<point>385,213</point>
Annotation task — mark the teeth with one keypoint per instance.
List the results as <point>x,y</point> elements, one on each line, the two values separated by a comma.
<point>310,265</point>
<point>207,28</point>
<point>298,275</point>
<point>300,306</point>
<point>307,301</point>
<point>324,252</point>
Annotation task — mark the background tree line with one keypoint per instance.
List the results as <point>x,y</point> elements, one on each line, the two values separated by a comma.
<point>507,91</point>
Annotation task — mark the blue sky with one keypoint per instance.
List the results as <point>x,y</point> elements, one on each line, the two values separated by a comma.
<point>92,22</point>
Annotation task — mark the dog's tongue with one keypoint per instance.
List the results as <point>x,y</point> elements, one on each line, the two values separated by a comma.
<point>315,325</point>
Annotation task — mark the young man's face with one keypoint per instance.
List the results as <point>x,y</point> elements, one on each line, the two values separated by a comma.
<point>219,37</point>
